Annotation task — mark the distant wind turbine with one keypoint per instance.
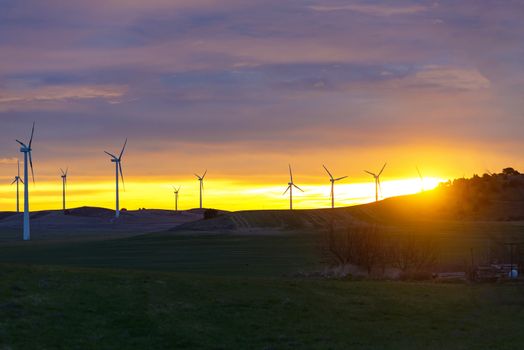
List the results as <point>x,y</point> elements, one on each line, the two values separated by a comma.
<point>118,167</point>
<point>377,180</point>
<point>201,179</point>
<point>332,180</point>
<point>421,179</point>
<point>26,150</point>
<point>289,188</point>
<point>175,191</point>
<point>17,180</point>
<point>64,184</point>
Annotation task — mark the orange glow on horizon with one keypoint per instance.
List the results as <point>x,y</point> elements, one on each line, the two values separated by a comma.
<point>218,193</point>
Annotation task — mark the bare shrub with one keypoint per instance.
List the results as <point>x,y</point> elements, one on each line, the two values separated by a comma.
<point>413,253</point>
<point>359,244</point>
<point>369,247</point>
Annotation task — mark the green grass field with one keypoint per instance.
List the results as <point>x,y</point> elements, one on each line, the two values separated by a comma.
<point>179,291</point>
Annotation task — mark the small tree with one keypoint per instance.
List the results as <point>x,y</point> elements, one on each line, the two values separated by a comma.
<point>510,171</point>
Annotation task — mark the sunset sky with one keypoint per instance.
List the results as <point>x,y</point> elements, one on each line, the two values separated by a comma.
<point>245,87</point>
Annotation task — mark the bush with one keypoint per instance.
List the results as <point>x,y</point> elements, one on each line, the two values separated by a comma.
<point>413,254</point>
<point>210,213</point>
<point>361,245</point>
<point>371,249</point>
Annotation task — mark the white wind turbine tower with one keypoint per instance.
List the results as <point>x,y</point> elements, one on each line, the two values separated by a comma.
<point>289,188</point>
<point>201,179</point>
<point>332,180</point>
<point>175,191</point>
<point>377,180</point>
<point>118,169</point>
<point>421,179</point>
<point>26,150</point>
<point>18,179</point>
<point>64,184</point>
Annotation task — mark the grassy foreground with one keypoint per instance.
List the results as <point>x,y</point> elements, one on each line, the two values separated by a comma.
<point>75,308</point>
<point>164,291</point>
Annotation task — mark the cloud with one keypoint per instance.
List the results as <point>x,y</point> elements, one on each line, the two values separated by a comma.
<point>61,93</point>
<point>373,10</point>
<point>8,160</point>
<point>450,78</point>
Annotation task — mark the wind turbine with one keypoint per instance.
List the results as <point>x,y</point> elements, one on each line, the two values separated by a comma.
<point>64,183</point>
<point>421,179</point>
<point>118,169</point>
<point>26,150</point>
<point>18,179</point>
<point>289,188</point>
<point>201,179</point>
<point>332,180</point>
<point>377,180</point>
<point>175,191</point>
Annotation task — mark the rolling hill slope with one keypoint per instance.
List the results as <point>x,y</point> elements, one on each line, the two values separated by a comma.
<point>437,205</point>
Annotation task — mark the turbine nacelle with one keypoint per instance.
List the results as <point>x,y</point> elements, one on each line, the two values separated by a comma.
<point>201,178</point>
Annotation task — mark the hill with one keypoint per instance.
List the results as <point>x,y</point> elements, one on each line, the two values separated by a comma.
<point>492,197</point>
<point>93,221</point>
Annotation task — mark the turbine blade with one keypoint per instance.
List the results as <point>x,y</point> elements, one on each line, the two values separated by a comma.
<point>340,178</point>
<point>331,176</point>
<point>290,173</point>
<point>287,189</point>
<point>18,167</point>
<point>111,155</point>
<point>62,171</point>
<point>298,188</point>
<point>14,181</point>
<point>31,164</point>
<point>22,181</point>
<point>198,177</point>
<point>21,143</point>
<point>121,175</point>
<point>370,173</point>
<point>203,176</point>
<point>123,149</point>
<point>67,170</point>
<point>32,133</point>
<point>382,169</point>
<point>419,174</point>
<point>179,187</point>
